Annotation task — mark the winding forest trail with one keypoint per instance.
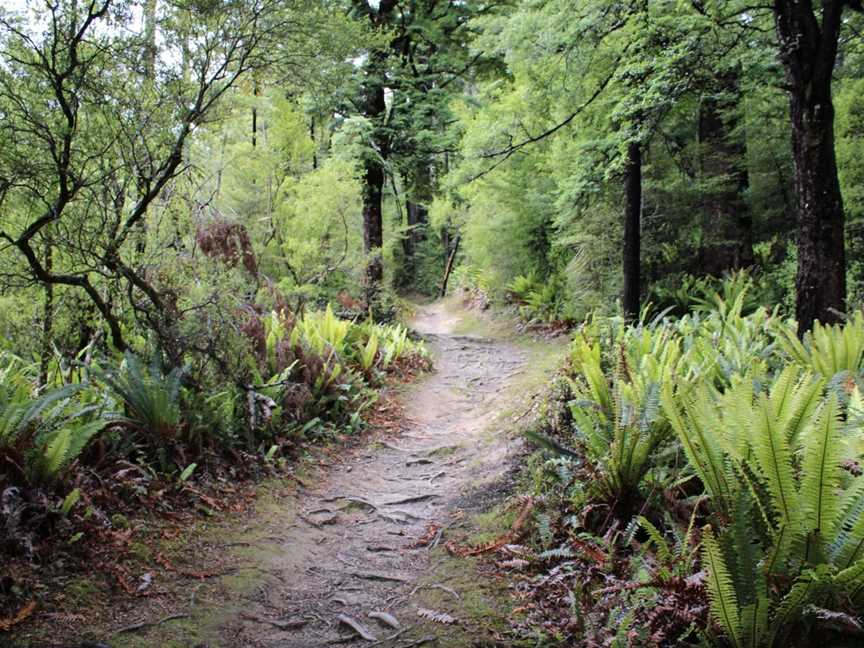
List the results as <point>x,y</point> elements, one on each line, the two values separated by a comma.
<point>344,545</point>
<point>364,515</point>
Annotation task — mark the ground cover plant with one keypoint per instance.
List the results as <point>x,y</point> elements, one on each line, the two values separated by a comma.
<point>706,483</point>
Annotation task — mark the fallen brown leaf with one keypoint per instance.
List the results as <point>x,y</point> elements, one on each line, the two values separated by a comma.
<point>22,615</point>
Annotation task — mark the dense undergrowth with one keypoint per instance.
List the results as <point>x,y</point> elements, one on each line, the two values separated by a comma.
<point>560,301</point>
<point>104,432</point>
<point>702,484</point>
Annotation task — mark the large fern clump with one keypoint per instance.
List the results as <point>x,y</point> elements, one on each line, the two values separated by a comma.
<point>317,372</point>
<point>789,530</point>
<point>42,434</point>
<point>616,405</point>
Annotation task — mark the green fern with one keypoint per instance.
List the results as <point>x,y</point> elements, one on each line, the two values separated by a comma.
<point>151,398</point>
<point>721,592</point>
<point>827,350</point>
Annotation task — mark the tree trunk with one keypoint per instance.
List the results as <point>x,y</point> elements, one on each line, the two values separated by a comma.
<point>808,51</point>
<point>254,128</point>
<point>374,108</point>
<point>632,233</point>
<point>449,267</point>
<point>314,142</point>
<point>373,228</point>
<point>47,317</point>
<point>727,222</point>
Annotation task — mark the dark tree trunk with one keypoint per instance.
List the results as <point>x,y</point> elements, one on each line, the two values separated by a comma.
<point>373,177</point>
<point>808,51</point>
<point>632,233</point>
<point>314,143</point>
<point>727,220</point>
<point>373,228</point>
<point>374,108</point>
<point>449,267</point>
<point>254,127</point>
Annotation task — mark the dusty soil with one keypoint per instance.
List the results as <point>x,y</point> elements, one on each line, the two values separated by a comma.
<point>341,558</point>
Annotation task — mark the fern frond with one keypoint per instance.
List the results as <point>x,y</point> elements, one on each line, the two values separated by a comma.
<point>848,527</point>
<point>820,470</point>
<point>656,538</point>
<point>701,450</point>
<point>772,453</point>
<point>55,452</point>
<point>806,589</point>
<point>721,592</point>
<point>551,444</point>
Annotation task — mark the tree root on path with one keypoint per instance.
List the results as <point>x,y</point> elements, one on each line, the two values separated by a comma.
<point>288,624</point>
<point>357,627</point>
<point>438,586</point>
<point>147,624</point>
<point>412,500</point>
<point>378,577</point>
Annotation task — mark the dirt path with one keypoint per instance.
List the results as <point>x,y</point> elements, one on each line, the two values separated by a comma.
<point>344,545</point>
<point>363,517</point>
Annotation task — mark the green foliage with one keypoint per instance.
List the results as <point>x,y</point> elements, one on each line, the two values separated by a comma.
<point>47,432</point>
<point>765,423</point>
<point>150,397</point>
<point>616,404</point>
<point>828,350</point>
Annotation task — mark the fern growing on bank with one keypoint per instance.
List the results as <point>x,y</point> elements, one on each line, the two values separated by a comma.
<point>771,461</point>
<point>762,434</point>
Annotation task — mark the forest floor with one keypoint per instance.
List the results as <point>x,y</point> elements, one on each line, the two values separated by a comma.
<point>358,545</point>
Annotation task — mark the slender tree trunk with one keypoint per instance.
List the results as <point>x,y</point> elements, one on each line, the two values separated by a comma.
<point>314,143</point>
<point>256,92</point>
<point>808,51</point>
<point>47,317</point>
<point>449,267</point>
<point>254,127</point>
<point>727,220</point>
<point>632,233</point>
